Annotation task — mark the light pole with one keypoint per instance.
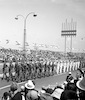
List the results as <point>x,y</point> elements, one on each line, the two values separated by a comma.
<point>25,18</point>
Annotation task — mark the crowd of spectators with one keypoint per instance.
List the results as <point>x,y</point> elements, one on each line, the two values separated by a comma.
<point>45,55</point>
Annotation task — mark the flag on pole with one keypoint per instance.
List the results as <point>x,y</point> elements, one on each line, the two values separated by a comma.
<point>17,43</point>
<point>7,41</point>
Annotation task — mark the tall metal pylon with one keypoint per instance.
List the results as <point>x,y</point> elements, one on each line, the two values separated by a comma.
<point>68,30</point>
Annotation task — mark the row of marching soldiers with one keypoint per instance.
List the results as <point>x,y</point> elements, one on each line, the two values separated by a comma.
<point>18,71</point>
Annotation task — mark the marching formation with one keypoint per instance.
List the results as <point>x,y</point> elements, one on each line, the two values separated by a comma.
<point>18,71</point>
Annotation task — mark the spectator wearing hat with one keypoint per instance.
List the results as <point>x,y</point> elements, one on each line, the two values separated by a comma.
<point>30,85</point>
<point>69,78</point>
<point>81,89</point>
<point>30,91</point>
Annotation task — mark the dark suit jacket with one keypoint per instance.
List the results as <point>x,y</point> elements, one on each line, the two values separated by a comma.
<point>68,95</point>
<point>17,96</point>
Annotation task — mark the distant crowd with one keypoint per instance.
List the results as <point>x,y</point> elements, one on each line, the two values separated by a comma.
<point>39,55</point>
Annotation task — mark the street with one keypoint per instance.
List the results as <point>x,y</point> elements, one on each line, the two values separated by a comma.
<point>52,80</point>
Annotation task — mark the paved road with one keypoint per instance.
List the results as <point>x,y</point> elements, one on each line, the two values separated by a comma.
<point>39,82</point>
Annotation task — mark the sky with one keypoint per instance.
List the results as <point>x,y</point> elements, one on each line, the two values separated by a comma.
<point>44,29</point>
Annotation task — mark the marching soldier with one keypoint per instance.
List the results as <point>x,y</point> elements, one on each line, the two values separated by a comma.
<point>58,67</point>
<point>43,69</point>
<point>52,69</point>
<point>55,67</point>
<point>7,72</point>
<point>47,68</point>
<point>3,69</point>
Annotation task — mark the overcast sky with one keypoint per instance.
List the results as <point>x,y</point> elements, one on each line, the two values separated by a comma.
<point>46,27</point>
